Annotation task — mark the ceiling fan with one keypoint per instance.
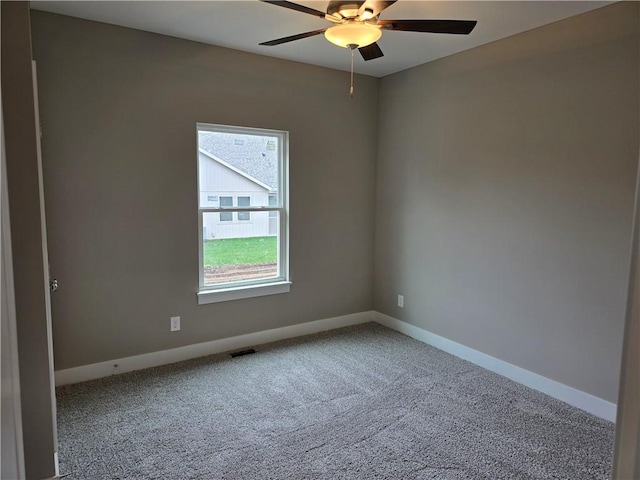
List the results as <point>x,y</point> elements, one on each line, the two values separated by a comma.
<point>357,25</point>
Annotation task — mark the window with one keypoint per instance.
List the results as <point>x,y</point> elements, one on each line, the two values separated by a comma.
<point>226,202</point>
<point>273,201</point>
<point>243,240</point>
<point>244,202</point>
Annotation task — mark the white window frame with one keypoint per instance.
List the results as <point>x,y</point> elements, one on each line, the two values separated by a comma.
<point>258,287</point>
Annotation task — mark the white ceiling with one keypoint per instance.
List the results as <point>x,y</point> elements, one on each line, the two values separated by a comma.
<point>243,24</point>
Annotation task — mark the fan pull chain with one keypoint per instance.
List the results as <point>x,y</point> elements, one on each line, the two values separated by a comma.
<point>351,87</point>
<point>353,49</point>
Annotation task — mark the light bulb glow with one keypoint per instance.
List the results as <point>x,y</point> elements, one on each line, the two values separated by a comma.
<point>360,34</point>
<point>367,14</point>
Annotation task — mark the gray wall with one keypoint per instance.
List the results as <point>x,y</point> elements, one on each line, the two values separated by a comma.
<point>18,111</point>
<point>503,204</point>
<point>505,187</point>
<point>119,109</point>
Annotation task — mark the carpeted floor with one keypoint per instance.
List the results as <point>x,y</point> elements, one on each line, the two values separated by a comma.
<point>362,402</point>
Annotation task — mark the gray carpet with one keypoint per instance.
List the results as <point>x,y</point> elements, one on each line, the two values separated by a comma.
<point>359,402</point>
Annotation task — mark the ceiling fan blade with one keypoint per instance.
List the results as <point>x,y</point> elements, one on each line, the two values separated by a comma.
<point>299,36</point>
<point>459,27</point>
<point>371,52</point>
<point>375,6</point>
<point>296,7</point>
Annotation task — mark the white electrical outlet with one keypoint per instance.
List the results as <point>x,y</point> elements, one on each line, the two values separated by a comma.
<point>175,324</point>
<point>401,301</point>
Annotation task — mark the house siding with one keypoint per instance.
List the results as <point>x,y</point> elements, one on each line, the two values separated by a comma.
<point>218,180</point>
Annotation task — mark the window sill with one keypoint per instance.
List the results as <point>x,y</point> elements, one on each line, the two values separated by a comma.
<point>238,293</point>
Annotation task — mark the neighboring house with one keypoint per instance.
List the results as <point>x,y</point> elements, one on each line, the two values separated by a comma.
<point>237,171</point>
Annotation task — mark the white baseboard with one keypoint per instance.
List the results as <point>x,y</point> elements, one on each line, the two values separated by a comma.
<point>577,398</point>
<point>570,395</point>
<point>163,357</point>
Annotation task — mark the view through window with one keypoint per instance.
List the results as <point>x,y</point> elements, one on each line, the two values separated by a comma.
<point>242,206</point>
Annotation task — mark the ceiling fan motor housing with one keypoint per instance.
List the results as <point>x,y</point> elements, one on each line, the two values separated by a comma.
<point>344,8</point>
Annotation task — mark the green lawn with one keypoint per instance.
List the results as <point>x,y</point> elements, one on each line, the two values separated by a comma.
<point>241,251</point>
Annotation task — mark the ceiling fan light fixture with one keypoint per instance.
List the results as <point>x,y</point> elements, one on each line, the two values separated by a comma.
<point>359,34</point>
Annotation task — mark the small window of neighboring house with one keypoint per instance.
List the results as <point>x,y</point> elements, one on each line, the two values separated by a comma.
<point>273,200</point>
<point>226,202</point>
<point>244,202</point>
<point>246,170</point>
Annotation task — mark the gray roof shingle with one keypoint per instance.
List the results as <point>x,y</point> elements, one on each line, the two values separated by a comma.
<point>255,155</point>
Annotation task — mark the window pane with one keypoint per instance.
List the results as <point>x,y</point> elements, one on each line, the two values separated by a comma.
<point>273,201</point>
<point>231,253</point>
<point>226,202</point>
<point>244,202</point>
<point>247,164</point>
